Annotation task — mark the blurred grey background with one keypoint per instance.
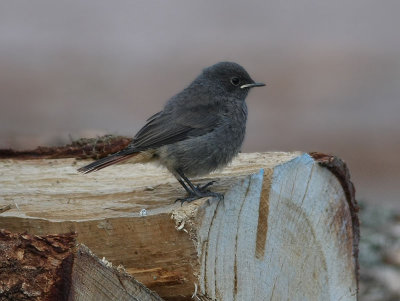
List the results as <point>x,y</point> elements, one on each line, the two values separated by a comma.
<point>71,69</point>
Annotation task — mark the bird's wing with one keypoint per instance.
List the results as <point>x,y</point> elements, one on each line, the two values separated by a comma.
<point>170,127</point>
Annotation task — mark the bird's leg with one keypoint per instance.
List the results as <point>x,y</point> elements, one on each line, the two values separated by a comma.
<point>188,190</point>
<point>184,185</point>
<point>187,181</point>
<point>195,192</point>
<point>194,188</point>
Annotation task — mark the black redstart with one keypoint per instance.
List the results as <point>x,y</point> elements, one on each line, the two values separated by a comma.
<point>199,130</point>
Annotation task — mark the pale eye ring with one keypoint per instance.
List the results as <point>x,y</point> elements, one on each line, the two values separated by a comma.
<point>235,81</point>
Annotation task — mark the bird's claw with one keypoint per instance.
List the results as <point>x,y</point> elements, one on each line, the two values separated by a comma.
<point>200,194</point>
<point>204,187</point>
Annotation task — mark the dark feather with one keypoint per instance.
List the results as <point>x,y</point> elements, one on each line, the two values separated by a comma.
<point>107,161</point>
<point>170,127</point>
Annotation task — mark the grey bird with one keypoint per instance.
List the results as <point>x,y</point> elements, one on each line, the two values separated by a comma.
<point>199,130</point>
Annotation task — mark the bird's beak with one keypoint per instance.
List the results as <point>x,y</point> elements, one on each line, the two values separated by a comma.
<point>252,85</point>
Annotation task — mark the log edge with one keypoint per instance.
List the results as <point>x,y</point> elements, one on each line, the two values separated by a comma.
<point>340,170</point>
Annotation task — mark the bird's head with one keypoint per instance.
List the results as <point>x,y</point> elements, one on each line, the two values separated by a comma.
<point>230,78</point>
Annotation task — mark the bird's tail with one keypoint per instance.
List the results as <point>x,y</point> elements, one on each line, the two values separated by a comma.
<point>107,161</point>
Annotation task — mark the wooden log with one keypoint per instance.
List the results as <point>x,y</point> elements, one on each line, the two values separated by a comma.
<point>50,267</point>
<point>95,279</point>
<point>286,230</point>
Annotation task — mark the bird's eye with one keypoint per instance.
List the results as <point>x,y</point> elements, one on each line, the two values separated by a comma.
<point>235,81</point>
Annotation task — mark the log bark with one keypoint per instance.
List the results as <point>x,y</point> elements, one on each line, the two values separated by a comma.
<point>286,230</point>
<point>35,268</point>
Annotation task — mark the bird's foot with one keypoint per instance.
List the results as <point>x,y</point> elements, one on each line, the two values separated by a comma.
<point>204,187</point>
<point>198,194</point>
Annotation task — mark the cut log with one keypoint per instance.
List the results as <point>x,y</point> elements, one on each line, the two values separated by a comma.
<point>286,230</point>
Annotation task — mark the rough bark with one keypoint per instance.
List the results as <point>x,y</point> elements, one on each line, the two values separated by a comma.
<point>35,268</point>
<point>84,148</point>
